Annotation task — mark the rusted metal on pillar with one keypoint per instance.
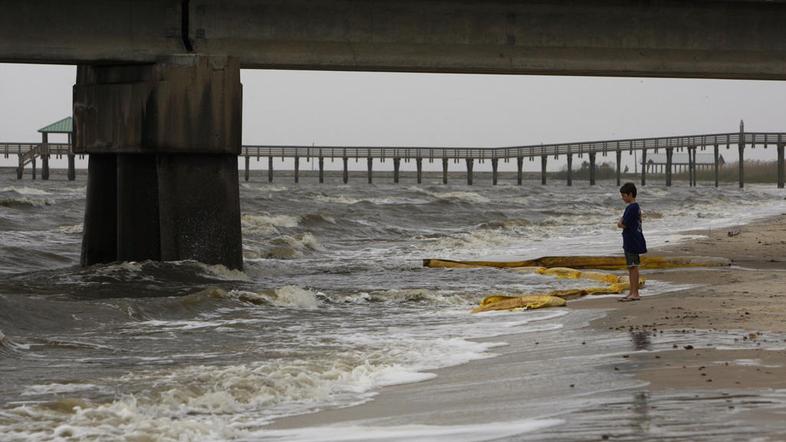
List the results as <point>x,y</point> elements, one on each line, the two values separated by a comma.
<point>644,167</point>
<point>592,168</point>
<point>717,166</point>
<point>419,165</point>
<point>494,164</point>
<point>370,162</point>
<point>520,170</point>
<point>570,170</point>
<point>321,170</point>
<point>163,140</point>
<point>297,169</point>
<point>396,169</point>
<point>345,176</point>
<point>470,163</point>
<point>248,167</point>
<point>669,157</point>
<point>780,165</point>
<point>619,167</point>
<point>444,171</point>
<point>270,169</point>
<point>44,156</point>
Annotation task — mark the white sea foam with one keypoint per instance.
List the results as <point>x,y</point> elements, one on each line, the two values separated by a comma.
<point>266,224</point>
<point>434,433</point>
<point>25,190</point>
<point>73,229</point>
<point>56,388</point>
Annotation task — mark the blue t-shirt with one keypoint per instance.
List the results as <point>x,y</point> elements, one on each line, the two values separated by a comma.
<point>632,236</point>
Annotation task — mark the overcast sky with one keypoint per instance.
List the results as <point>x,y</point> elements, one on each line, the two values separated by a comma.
<point>351,108</point>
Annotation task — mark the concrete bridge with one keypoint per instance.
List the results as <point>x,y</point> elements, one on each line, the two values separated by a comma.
<point>157,99</point>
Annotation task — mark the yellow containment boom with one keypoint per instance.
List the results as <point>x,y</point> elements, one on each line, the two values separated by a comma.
<point>587,262</point>
<point>529,302</point>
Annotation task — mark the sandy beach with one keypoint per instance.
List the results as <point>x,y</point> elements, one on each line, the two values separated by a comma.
<point>706,363</point>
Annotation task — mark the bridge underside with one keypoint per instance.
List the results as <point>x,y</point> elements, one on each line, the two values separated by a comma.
<point>671,38</point>
<point>157,101</point>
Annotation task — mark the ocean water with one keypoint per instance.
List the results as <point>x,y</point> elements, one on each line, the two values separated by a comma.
<point>333,304</point>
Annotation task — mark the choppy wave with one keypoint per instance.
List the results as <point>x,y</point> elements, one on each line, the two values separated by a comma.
<point>24,202</point>
<point>25,190</point>
<point>267,224</point>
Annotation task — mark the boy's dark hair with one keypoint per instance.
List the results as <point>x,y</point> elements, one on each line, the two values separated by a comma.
<point>628,188</point>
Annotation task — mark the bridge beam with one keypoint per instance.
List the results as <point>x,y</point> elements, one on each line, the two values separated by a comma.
<point>595,37</point>
<point>163,141</point>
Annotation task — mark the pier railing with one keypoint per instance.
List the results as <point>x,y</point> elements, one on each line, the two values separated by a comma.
<point>27,153</point>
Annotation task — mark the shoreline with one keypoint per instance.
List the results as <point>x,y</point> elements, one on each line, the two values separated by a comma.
<point>740,303</point>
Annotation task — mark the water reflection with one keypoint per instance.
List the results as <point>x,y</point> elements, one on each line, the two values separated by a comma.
<point>641,340</point>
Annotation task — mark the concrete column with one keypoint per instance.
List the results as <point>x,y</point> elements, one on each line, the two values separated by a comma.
<point>370,162</point>
<point>71,167</point>
<point>163,141</point>
<point>269,169</point>
<point>494,164</point>
<point>44,156</point>
<point>644,167</point>
<point>570,169</point>
<point>619,167</point>
<point>444,171</point>
<point>346,169</point>
<point>248,166</point>
<point>520,169</point>
<point>669,156</point>
<point>470,163</point>
<point>297,169</point>
<point>592,168</point>
<point>321,170</point>
<point>419,164</point>
<point>715,152</point>
<point>396,169</point>
<point>780,166</point>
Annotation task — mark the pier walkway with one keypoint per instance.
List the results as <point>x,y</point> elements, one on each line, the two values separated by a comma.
<point>28,152</point>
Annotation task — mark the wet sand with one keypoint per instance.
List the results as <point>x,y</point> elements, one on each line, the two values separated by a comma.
<point>707,363</point>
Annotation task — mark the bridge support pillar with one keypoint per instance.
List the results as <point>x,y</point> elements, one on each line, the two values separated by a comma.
<point>370,162</point>
<point>44,167</point>
<point>644,167</point>
<point>71,167</point>
<point>419,164</point>
<point>570,170</point>
<point>619,167</point>
<point>248,166</point>
<point>592,168</point>
<point>20,168</point>
<point>33,166</point>
<point>494,165</point>
<point>715,152</point>
<point>543,160</point>
<point>269,169</point>
<point>780,166</point>
<point>520,170</point>
<point>396,169</point>
<point>345,177</point>
<point>163,141</point>
<point>321,170</point>
<point>741,148</point>
<point>470,163</point>
<point>669,157</point>
<point>297,170</point>
<point>692,165</point>
<point>444,171</point>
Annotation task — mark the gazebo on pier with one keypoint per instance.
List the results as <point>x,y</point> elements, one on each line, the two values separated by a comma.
<point>45,149</point>
<point>657,163</point>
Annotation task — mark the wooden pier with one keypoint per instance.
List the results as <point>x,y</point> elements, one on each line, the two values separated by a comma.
<point>28,152</point>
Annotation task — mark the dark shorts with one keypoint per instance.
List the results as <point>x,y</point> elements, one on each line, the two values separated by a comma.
<point>632,259</point>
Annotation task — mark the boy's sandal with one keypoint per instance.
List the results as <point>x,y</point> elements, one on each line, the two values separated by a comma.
<point>628,299</point>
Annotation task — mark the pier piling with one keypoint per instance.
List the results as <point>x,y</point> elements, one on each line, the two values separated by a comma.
<point>396,169</point>
<point>270,169</point>
<point>470,162</point>
<point>780,166</point>
<point>669,157</point>
<point>644,167</point>
<point>321,169</point>
<point>248,162</point>
<point>717,165</point>
<point>297,169</point>
<point>619,166</point>
<point>71,167</point>
<point>444,171</point>
<point>419,164</point>
<point>370,166</point>
<point>570,169</point>
<point>519,168</point>
<point>494,164</point>
<point>346,170</point>
<point>543,160</point>
<point>592,168</point>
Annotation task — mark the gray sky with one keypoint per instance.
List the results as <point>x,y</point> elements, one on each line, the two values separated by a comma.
<point>352,108</point>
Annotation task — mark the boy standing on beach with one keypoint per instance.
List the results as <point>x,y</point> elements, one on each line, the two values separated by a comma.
<point>632,239</point>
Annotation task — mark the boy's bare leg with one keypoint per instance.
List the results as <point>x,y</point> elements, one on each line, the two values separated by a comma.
<point>633,273</point>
